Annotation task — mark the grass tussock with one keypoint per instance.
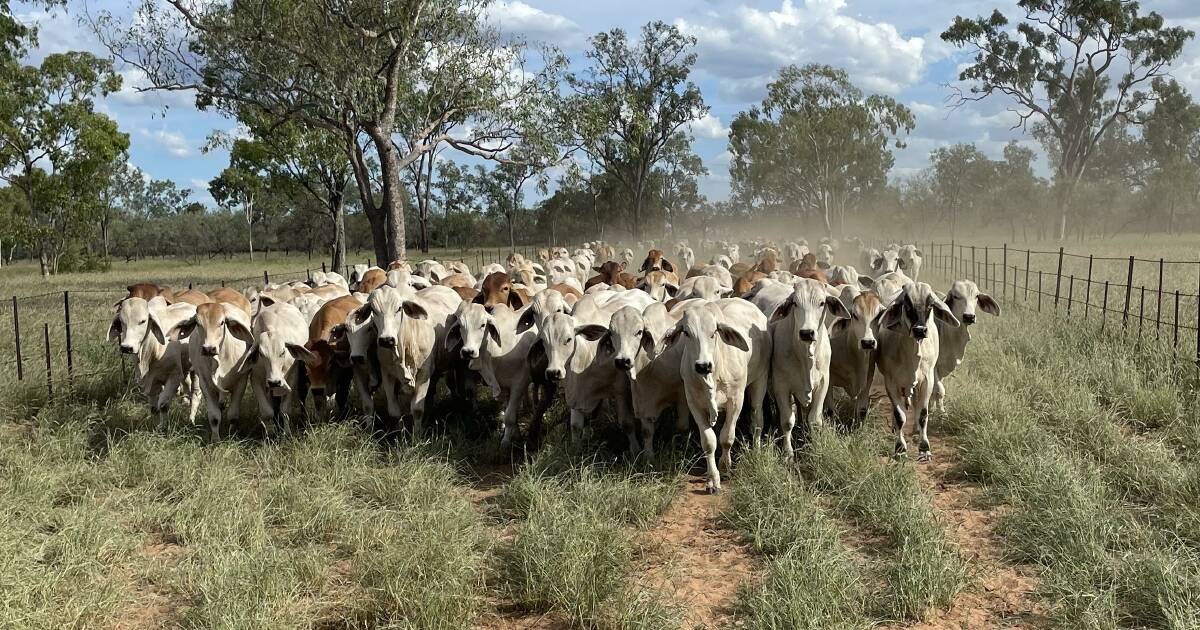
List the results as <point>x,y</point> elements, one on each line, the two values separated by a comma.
<point>811,580</point>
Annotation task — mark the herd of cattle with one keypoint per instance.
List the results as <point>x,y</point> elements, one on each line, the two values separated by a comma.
<point>782,326</point>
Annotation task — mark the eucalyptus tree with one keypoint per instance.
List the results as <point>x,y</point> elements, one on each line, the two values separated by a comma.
<point>1074,68</point>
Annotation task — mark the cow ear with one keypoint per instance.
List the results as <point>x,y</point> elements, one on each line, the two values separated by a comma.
<point>178,331</point>
<point>453,334</point>
<point>836,308</point>
<point>362,313</point>
<point>671,336</point>
<point>265,300</point>
<point>988,305</point>
<point>900,264</point>
<point>840,326</point>
<point>596,269</point>
<point>918,252</point>
<point>647,340</point>
<point>114,329</point>
<point>244,364</point>
<point>337,332</point>
<point>301,353</point>
<point>822,264</point>
<point>733,337</point>
<point>877,264</point>
<point>667,266</point>
<point>591,332</point>
<point>866,282</point>
<point>526,321</point>
<point>783,310</point>
<point>493,332</point>
<point>478,299</point>
<point>239,330</point>
<point>515,301</point>
<point>672,289</point>
<point>414,310</point>
<point>893,315</point>
<point>943,312</point>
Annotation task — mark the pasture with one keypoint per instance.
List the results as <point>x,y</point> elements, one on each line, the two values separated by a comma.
<point>1063,493</point>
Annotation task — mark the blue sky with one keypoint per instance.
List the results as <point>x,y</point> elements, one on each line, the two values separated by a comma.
<point>888,46</point>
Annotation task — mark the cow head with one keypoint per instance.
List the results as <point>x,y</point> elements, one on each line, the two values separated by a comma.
<point>270,354</point>
<point>470,329</point>
<point>887,262</point>
<point>812,309</point>
<point>497,288</point>
<point>864,307</point>
<point>911,309</point>
<point>631,336</point>
<point>965,299</point>
<point>389,306</point>
<point>557,339</point>
<point>208,329</point>
<point>696,335</point>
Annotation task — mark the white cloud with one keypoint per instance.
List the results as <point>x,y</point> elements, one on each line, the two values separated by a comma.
<point>519,18</point>
<point>133,94</point>
<point>172,142</point>
<point>749,46</point>
<point>709,126</point>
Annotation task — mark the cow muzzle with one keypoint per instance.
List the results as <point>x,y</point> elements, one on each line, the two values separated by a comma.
<point>126,349</point>
<point>387,342</point>
<point>920,332</point>
<point>274,382</point>
<point>704,367</point>
<point>807,334</point>
<point>469,353</point>
<point>868,344</point>
<point>968,318</point>
<point>554,375</point>
<point>208,351</point>
<point>623,363</point>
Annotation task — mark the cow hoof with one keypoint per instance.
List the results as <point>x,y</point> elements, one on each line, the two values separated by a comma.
<point>925,457</point>
<point>713,489</point>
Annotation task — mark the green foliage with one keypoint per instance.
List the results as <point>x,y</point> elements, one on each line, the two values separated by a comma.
<point>816,144</point>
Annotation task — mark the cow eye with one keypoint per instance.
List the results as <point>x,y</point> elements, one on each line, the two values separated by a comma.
<point>142,322</point>
<point>639,333</point>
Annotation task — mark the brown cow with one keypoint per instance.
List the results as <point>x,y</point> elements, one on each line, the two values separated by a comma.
<point>372,279</point>
<point>746,281</point>
<point>230,297</point>
<point>326,359</point>
<point>191,296</point>
<point>768,261</point>
<point>498,289</point>
<point>570,294</point>
<point>146,290</point>
<point>808,267</point>
<point>740,268</point>
<point>466,293</point>
<point>655,262</point>
<point>611,273</point>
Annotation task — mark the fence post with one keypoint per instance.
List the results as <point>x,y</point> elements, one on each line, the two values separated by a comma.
<point>1014,281</point>
<point>67,325</point>
<point>1128,294</point>
<point>1070,294</point>
<point>1004,283</point>
<point>17,339</point>
<point>1027,257</point>
<point>1087,298</point>
<point>1104,307</point>
<point>1039,291</point>
<point>1175,326</point>
<point>49,376</point>
<point>1198,316</point>
<point>987,268</point>
<point>1141,311</point>
<point>1158,309</point>
<point>266,278</point>
<point>1058,278</point>
<point>974,266</point>
<point>322,266</point>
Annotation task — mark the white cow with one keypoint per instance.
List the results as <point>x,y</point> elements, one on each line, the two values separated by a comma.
<point>908,355</point>
<point>686,256</point>
<point>964,299</point>
<point>411,331</point>
<point>889,285</point>
<point>910,261</point>
<point>704,287</point>
<point>218,335</point>
<point>163,362</point>
<point>272,370</point>
<point>801,352</point>
<point>846,275</point>
<point>488,338</point>
<point>724,360</point>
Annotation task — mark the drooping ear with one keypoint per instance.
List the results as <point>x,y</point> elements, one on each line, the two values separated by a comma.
<point>622,265</point>
<point>988,305</point>
<point>783,310</point>
<point>918,252</point>
<point>362,313</point>
<point>114,329</point>
<point>526,321</point>
<point>866,282</point>
<point>900,264</point>
<point>733,337</point>
<point>493,332</point>
<point>877,264</point>
<point>239,329</point>
<point>667,266</point>
<point>671,336</point>
<point>943,312</point>
<point>839,326</point>
<point>893,315</point>
<point>822,264</point>
<point>337,332</point>
<point>606,344</point>
<point>414,310</point>
<point>945,297</point>
<point>515,301</point>
<point>591,332</point>
<point>597,269</point>
<point>244,364</point>
<point>178,331</point>
<point>836,308</point>
<point>265,300</point>
<point>303,354</point>
<point>453,334</point>
<point>647,340</point>
<point>672,289</point>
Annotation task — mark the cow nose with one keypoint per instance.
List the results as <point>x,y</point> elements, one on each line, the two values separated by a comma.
<point>209,351</point>
<point>808,334</point>
<point>274,383</point>
<point>554,374</point>
<point>127,349</point>
<point>920,332</point>
<point>623,363</point>
<point>868,344</point>
<point>703,367</point>
<point>968,318</point>
<point>387,342</point>
<point>469,353</point>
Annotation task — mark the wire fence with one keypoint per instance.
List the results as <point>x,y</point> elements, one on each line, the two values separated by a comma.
<point>1109,290</point>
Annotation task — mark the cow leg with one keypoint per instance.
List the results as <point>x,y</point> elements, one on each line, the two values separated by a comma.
<point>938,397</point>
<point>266,406</point>
<point>194,398</point>
<point>816,409</point>
<point>757,391</point>
<point>626,420</point>
<point>362,385</point>
<point>681,415</point>
<point>512,412</point>
<point>787,417</point>
<point>537,426</point>
<point>733,409</point>
<point>921,409</point>
<point>393,401</point>
<point>153,394</point>
<point>578,419</point>
<point>234,411</point>
<point>648,436</point>
<point>417,407</point>
<point>212,403</point>
<point>705,419</point>
<point>898,420</point>
<point>862,398</point>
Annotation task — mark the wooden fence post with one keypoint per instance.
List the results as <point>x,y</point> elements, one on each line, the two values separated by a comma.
<point>49,375</point>
<point>1039,291</point>
<point>1027,257</point>
<point>1070,294</point>
<point>1058,278</point>
<point>987,269</point>
<point>974,266</point>
<point>17,339</point>
<point>1158,309</point>
<point>1175,327</point>
<point>1128,295</point>
<point>1104,307</point>
<point>1004,284</point>
<point>70,348</point>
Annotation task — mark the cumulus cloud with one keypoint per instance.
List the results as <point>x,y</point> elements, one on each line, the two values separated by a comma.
<point>747,48</point>
<point>172,142</point>
<point>709,126</point>
<point>519,18</point>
